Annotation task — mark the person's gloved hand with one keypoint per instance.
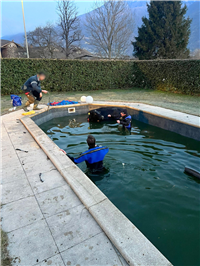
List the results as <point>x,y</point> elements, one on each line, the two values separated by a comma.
<point>118,121</point>
<point>40,95</point>
<point>63,151</point>
<point>109,115</point>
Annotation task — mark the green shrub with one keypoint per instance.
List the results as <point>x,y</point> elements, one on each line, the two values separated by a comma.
<point>78,75</point>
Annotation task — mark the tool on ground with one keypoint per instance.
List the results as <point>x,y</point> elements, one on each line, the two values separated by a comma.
<point>40,176</point>
<point>21,150</point>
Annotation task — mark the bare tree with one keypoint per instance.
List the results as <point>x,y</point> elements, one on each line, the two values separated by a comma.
<point>110,27</point>
<point>68,24</point>
<point>45,39</point>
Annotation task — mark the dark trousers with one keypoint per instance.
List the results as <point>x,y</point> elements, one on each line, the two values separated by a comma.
<point>36,95</point>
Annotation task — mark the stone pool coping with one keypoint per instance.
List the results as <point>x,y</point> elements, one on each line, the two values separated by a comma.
<point>177,116</point>
<point>174,121</point>
<point>131,243</point>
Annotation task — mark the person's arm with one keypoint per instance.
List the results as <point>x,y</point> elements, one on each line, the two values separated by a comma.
<point>70,157</point>
<point>113,116</point>
<point>80,159</point>
<point>36,87</point>
<point>125,122</point>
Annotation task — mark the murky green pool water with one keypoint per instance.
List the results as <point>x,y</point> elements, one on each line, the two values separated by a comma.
<point>145,179</point>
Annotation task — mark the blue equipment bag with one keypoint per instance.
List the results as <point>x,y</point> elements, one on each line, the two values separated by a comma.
<point>16,100</point>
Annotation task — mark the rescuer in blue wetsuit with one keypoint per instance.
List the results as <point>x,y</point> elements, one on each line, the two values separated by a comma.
<point>124,120</point>
<point>93,156</point>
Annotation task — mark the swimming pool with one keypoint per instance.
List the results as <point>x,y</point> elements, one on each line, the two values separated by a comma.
<point>145,179</point>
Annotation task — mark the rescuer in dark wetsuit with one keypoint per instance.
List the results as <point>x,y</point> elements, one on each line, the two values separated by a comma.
<point>124,120</point>
<point>93,156</point>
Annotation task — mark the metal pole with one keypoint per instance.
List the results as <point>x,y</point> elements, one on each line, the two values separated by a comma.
<point>25,30</point>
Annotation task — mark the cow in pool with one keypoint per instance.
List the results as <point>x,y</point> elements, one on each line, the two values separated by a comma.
<point>101,114</point>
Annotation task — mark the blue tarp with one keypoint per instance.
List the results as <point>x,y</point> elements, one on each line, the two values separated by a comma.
<point>64,102</point>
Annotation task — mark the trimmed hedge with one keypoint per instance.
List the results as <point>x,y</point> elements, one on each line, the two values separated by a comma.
<point>78,75</point>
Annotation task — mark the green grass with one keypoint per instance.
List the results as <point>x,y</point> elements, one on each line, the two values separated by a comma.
<point>5,260</point>
<point>178,102</point>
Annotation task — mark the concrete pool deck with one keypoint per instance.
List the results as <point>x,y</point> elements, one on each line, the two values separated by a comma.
<point>45,222</point>
<point>57,222</point>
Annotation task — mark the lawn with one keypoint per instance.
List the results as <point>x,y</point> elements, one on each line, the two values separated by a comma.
<point>5,260</point>
<point>178,102</point>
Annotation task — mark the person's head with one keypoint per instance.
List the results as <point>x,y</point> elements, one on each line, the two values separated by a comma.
<point>41,75</point>
<point>123,112</point>
<point>91,141</point>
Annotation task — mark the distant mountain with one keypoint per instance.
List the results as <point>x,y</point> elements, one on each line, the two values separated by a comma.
<point>18,38</point>
<point>139,9</point>
<point>194,13</point>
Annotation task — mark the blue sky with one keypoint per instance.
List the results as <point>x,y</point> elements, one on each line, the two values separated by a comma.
<point>37,13</point>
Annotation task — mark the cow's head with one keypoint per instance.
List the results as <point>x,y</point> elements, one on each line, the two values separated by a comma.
<point>95,116</point>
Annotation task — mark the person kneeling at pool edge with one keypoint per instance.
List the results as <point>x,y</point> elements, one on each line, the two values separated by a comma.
<point>33,91</point>
<point>93,157</point>
<point>124,120</point>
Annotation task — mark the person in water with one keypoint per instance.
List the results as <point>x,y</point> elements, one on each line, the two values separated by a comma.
<point>124,120</point>
<point>93,157</point>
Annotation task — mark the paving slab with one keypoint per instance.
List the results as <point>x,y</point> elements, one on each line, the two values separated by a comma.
<point>6,144</point>
<point>96,251</point>
<point>8,150</point>
<point>57,200</point>
<point>54,261</point>
<point>31,154</point>
<point>72,227</point>
<point>20,213</point>
<point>17,128</point>
<point>20,139</point>
<point>10,122</point>
<point>30,147</point>
<point>38,166</point>
<point>9,160</point>
<point>52,179</point>
<point>28,158</point>
<point>10,155</point>
<point>4,135</point>
<point>31,244</point>
<point>11,174</point>
<point>16,190</point>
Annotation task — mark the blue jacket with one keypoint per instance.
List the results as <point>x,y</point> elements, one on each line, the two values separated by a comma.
<point>126,121</point>
<point>93,158</point>
<point>32,84</point>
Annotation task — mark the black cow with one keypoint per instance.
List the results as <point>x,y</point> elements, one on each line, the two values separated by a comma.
<point>101,114</point>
